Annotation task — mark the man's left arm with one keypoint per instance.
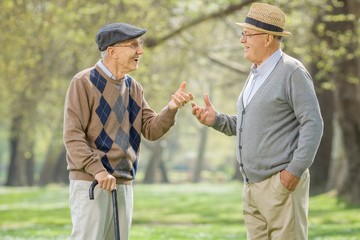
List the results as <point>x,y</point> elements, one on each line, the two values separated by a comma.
<point>303,99</point>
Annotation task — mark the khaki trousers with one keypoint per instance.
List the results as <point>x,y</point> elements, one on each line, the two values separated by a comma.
<point>94,219</point>
<point>271,212</point>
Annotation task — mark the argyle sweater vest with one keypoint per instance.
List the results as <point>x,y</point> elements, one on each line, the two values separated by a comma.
<point>117,112</point>
<point>103,122</point>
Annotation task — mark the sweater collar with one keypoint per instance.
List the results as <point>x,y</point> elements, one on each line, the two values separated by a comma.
<point>107,76</point>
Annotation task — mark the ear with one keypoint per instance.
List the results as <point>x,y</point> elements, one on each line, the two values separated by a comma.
<point>111,52</point>
<point>269,39</point>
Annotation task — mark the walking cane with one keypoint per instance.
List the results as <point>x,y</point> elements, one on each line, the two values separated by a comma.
<point>115,207</point>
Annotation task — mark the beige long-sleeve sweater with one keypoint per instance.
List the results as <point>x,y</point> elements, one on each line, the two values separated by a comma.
<point>103,123</point>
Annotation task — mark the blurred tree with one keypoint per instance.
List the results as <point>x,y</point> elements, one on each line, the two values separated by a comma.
<point>334,61</point>
<point>47,42</point>
<point>22,55</point>
<point>40,51</point>
<point>155,162</point>
<point>341,34</point>
<point>324,83</point>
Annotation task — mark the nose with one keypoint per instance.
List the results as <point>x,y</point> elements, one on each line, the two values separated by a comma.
<point>140,50</point>
<point>242,39</point>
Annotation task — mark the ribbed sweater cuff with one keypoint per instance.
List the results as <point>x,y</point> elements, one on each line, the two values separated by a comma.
<point>296,168</point>
<point>94,168</point>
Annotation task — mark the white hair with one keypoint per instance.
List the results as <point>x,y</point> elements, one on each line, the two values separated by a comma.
<point>103,54</point>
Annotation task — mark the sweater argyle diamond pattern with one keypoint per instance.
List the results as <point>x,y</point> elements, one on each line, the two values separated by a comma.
<point>104,142</point>
<point>133,109</point>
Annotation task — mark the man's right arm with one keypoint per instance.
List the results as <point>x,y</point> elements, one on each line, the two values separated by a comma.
<point>225,123</point>
<point>76,117</point>
<point>208,116</point>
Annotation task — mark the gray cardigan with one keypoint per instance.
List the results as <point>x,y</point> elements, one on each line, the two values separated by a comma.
<point>280,128</point>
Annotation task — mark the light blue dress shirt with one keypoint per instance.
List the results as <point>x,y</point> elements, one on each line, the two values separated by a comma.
<point>105,70</point>
<point>258,76</point>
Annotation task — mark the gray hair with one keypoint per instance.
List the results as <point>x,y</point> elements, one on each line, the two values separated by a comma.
<point>103,54</point>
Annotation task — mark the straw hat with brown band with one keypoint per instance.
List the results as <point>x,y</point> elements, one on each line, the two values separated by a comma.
<point>266,18</point>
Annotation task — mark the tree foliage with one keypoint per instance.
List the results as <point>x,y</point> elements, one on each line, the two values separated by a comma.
<point>46,42</point>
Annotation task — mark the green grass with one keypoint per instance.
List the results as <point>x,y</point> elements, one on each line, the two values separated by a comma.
<point>165,212</point>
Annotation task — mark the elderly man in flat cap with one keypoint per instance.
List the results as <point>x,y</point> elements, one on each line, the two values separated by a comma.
<point>278,128</point>
<point>105,114</point>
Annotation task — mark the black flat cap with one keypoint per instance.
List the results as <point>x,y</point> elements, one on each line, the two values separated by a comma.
<point>116,32</point>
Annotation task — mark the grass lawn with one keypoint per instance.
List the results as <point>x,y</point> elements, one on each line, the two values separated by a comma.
<point>165,212</point>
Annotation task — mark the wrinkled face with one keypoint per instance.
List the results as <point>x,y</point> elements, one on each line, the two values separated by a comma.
<point>127,54</point>
<point>254,43</point>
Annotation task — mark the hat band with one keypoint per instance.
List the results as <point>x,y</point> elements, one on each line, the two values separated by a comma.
<point>263,25</point>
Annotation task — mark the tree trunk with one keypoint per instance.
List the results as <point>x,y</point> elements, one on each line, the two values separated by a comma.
<point>54,169</point>
<point>47,170</point>
<point>151,169</point>
<point>30,164</point>
<point>347,94</point>
<point>61,174</point>
<point>50,166</point>
<point>16,170</point>
<point>163,172</point>
<point>338,168</point>
<point>320,169</point>
<point>201,152</point>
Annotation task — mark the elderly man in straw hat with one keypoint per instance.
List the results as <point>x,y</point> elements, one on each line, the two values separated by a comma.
<point>105,115</point>
<point>278,128</point>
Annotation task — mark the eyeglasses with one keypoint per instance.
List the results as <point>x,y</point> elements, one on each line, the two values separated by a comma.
<point>133,45</point>
<point>245,35</point>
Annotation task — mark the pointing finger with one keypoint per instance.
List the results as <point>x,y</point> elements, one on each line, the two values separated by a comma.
<point>207,100</point>
<point>182,86</point>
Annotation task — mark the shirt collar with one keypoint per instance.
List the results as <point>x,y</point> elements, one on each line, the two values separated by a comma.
<point>268,64</point>
<point>105,70</point>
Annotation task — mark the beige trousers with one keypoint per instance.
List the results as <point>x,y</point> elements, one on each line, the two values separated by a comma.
<point>94,219</point>
<point>271,212</point>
